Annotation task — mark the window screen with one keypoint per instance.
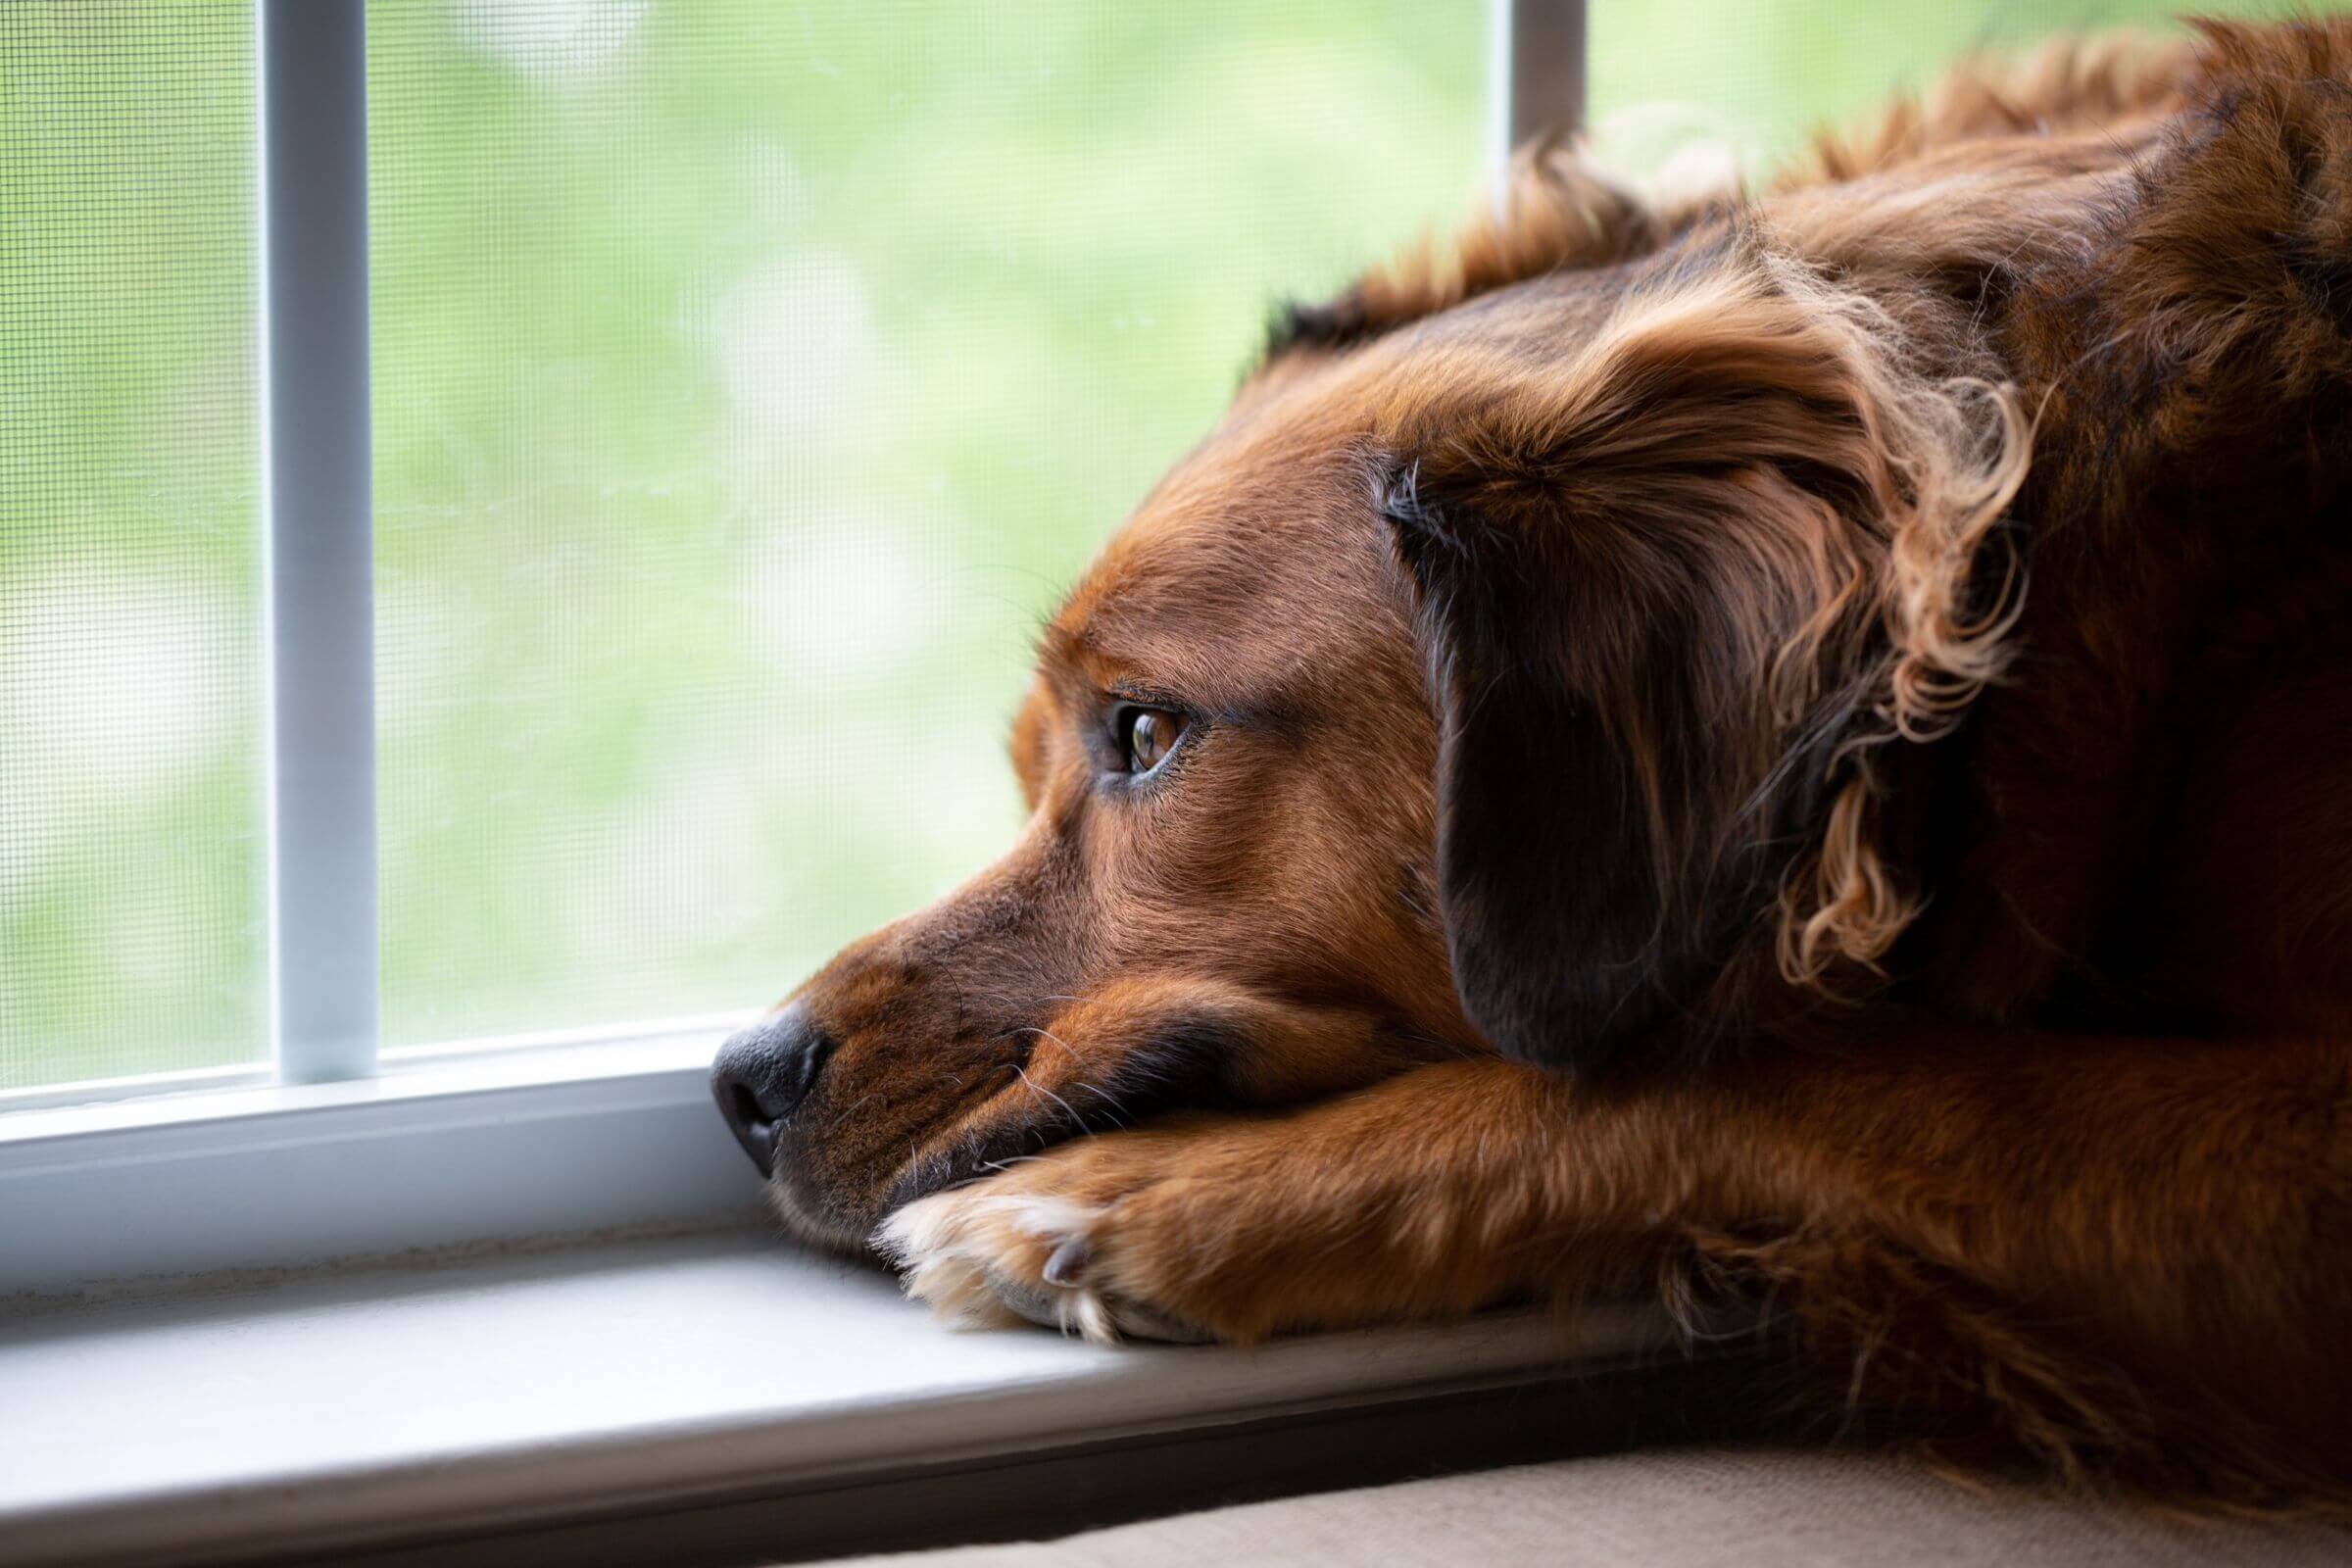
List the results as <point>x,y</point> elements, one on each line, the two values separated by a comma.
<point>1753,78</point>
<point>748,379</point>
<point>132,848</point>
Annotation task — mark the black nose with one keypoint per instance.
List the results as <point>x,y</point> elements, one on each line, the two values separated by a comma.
<point>762,1074</point>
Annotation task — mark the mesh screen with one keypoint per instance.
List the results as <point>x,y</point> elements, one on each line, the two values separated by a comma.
<point>1752,78</point>
<point>131,859</point>
<point>748,380</point>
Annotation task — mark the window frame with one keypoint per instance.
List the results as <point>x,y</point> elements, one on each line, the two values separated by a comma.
<point>331,1147</point>
<point>319,538</point>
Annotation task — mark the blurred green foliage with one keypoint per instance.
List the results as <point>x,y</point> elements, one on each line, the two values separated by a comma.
<point>750,377</point>
<point>130,659</point>
<point>1760,75</point>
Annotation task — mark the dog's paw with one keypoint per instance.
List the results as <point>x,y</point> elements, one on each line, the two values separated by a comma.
<point>1064,1240</point>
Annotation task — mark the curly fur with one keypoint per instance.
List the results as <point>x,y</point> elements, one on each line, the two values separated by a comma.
<point>1598,640</point>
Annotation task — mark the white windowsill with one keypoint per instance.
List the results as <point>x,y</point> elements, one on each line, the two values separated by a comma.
<point>272,1320</point>
<point>439,1152</point>
<point>333,1408</point>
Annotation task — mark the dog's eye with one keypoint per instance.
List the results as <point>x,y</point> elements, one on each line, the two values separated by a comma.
<point>1145,736</point>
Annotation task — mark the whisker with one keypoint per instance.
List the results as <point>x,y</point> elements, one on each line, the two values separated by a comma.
<point>1067,1109</point>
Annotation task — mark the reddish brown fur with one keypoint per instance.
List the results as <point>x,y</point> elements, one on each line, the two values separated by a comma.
<point>1703,510</point>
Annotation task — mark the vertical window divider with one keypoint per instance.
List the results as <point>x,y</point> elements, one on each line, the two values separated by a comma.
<point>319,537</point>
<point>1535,74</point>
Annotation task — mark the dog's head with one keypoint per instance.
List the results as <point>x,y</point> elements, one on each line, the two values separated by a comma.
<point>1499,674</point>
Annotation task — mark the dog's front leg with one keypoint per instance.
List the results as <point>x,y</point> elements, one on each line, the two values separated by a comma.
<point>2122,1256</point>
<point>1428,1194</point>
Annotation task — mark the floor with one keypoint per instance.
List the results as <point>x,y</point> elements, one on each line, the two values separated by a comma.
<point>1692,1509</point>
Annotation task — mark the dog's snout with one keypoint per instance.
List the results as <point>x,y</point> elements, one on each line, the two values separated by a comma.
<point>762,1074</point>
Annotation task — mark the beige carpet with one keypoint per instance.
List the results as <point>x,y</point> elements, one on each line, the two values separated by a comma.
<point>1690,1509</point>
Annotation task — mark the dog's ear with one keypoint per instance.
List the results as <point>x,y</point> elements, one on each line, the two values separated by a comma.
<point>1554,212</point>
<point>1671,586</point>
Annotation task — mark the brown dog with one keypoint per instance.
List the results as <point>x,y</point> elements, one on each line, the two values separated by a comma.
<point>1566,789</point>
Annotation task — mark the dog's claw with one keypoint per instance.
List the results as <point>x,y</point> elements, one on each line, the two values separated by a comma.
<point>973,1255</point>
<point>1068,1264</point>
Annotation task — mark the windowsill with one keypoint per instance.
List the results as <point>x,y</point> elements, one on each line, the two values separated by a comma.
<point>465,1150</point>
<point>336,1409</point>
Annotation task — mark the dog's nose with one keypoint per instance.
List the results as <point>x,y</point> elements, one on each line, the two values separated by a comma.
<point>762,1074</point>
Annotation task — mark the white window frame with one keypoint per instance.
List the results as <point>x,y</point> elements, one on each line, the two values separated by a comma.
<point>318,521</point>
<point>332,1147</point>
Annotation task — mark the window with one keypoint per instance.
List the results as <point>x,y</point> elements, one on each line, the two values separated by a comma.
<point>519,519</point>
<point>1756,79</point>
<point>741,393</point>
<point>131,789</point>
<point>746,383</point>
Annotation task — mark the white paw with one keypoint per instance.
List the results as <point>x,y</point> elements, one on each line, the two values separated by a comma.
<point>985,1258</point>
